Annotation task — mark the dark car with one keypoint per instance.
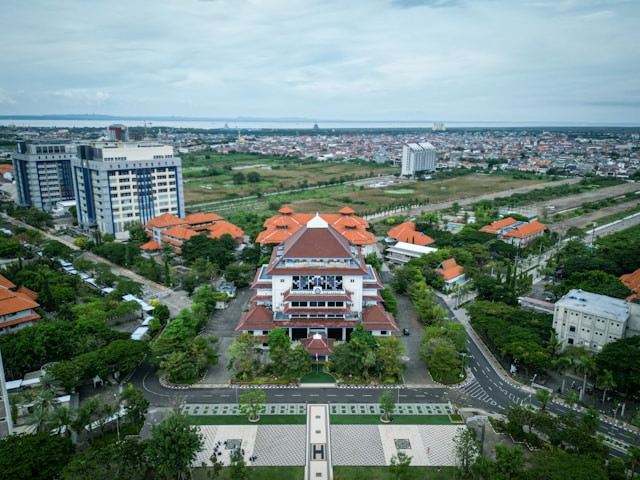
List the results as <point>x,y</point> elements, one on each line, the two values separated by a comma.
<point>406,331</point>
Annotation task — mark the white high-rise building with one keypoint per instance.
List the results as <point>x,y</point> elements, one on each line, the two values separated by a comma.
<point>121,182</point>
<point>43,174</point>
<point>418,157</point>
<point>6,423</point>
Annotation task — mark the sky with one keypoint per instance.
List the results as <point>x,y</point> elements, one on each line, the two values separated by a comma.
<point>568,61</point>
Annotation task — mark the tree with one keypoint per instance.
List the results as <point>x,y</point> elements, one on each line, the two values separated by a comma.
<point>238,178</point>
<point>135,405</point>
<point>373,260</point>
<point>251,402</point>
<point>243,356</point>
<point>299,362</point>
<point>189,283</point>
<point>605,382</point>
<point>253,177</point>
<point>38,456</point>
<point>117,460</point>
<point>173,446</point>
<point>82,242</point>
<point>390,303</point>
<point>596,281</point>
<point>508,464</point>
<point>279,349</point>
<point>465,449</point>
<point>633,458</point>
<point>622,358</point>
<point>544,397</point>
<point>388,357</point>
<point>587,366</point>
<point>162,313</point>
<point>400,464</point>
<point>237,467</point>
<point>616,469</point>
<point>387,404</point>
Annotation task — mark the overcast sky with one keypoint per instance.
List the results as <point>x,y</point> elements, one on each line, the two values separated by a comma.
<point>437,60</point>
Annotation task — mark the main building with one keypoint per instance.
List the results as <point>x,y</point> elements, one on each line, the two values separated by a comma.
<point>317,284</point>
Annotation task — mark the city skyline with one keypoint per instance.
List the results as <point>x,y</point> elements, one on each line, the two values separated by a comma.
<point>404,60</point>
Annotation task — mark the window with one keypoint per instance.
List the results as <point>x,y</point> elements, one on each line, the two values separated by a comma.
<point>570,341</point>
<point>572,329</point>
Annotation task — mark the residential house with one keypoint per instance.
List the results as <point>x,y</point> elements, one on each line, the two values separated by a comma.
<point>406,232</point>
<point>451,272</point>
<point>17,308</point>
<point>514,231</point>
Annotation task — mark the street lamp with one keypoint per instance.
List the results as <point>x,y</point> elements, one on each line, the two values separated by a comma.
<point>532,380</point>
<point>463,355</point>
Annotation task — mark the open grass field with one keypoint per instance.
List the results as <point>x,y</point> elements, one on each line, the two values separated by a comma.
<point>363,199</point>
<point>275,175</point>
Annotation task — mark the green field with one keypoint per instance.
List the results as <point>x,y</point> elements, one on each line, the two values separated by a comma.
<point>343,473</point>
<point>242,420</point>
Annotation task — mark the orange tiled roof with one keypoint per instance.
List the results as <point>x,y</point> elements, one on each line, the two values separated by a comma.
<point>6,283</point>
<point>218,229</point>
<point>450,269</point>
<point>257,318</point>
<point>377,318</point>
<point>632,282</point>
<point>320,346</point>
<point>497,225</point>
<point>406,232</point>
<point>280,227</point>
<point>28,292</point>
<point>151,245</point>
<point>14,302</point>
<point>179,232</point>
<point>17,321</point>
<point>198,218</point>
<point>163,221</point>
<point>526,230</point>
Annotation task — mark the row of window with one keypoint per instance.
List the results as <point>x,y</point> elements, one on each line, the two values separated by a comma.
<point>314,304</point>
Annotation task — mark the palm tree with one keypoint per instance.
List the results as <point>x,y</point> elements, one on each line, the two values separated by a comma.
<point>62,420</point>
<point>633,457</point>
<point>39,420</point>
<point>572,399</point>
<point>587,366</point>
<point>605,382</point>
<point>561,365</point>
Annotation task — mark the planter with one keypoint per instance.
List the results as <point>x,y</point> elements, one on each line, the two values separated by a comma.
<point>385,420</point>
<point>254,420</point>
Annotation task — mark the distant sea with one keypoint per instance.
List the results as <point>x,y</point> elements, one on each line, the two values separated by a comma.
<point>282,124</point>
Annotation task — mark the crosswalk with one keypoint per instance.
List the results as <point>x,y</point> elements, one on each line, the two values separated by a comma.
<point>475,390</point>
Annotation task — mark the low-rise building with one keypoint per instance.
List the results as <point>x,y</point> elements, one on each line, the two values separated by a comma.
<point>406,232</point>
<point>514,231</point>
<point>452,273</point>
<point>402,252</point>
<point>17,308</point>
<point>589,320</point>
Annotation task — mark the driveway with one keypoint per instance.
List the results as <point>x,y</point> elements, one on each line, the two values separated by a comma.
<point>222,325</point>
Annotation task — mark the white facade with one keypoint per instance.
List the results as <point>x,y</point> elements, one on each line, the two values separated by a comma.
<point>402,252</point>
<point>590,320</point>
<point>117,183</point>
<point>43,174</point>
<point>418,157</point>
<point>6,423</point>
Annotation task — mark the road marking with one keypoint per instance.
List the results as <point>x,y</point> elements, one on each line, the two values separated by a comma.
<point>296,395</point>
<point>279,395</point>
<point>349,395</point>
<point>314,395</point>
<point>367,395</point>
<point>331,395</point>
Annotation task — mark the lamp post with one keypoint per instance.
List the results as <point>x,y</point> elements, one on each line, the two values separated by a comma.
<point>463,355</point>
<point>532,380</point>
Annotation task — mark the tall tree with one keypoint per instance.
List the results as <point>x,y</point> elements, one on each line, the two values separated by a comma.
<point>387,401</point>
<point>251,402</point>
<point>173,447</point>
<point>399,465</point>
<point>465,448</point>
<point>40,456</point>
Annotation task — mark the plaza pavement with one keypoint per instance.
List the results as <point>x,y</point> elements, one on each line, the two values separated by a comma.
<point>351,445</point>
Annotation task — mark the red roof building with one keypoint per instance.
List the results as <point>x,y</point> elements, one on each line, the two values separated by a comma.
<point>17,309</point>
<point>632,282</point>
<point>316,283</point>
<point>515,232</point>
<point>282,226</point>
<point>174,231</point>
<point>451,272</point>
<point>406,232</point>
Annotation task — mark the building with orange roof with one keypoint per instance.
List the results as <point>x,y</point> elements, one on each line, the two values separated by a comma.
<point>499,225</point>
<point>174,231</point>
<point>282,226</point>
<point>406,232</point>
<point>317,284</point>
<point>515,232</point>
<point>632,282</point>
<point>451,272</point>
<point>17,309</point>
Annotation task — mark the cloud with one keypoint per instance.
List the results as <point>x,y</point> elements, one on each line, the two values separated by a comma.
<point>492,59</point>
<point>5,98</point>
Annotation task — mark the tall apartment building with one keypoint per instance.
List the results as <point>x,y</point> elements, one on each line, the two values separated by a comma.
<point>121,182</point>
<point>590,320</point>
<point>418,157</point>
<point>6,423</point>
<point>43,174</point>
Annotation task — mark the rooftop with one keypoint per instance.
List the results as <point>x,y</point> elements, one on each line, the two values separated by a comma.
<point>592,303</point>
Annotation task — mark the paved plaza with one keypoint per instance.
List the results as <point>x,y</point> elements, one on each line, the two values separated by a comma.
<point>351,445</point>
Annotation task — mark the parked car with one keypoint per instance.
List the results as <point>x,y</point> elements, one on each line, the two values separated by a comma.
<point>406,331</point>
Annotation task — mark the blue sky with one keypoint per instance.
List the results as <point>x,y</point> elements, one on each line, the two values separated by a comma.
<point>442,60</point>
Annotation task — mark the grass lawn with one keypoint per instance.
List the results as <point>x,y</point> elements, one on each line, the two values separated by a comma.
<point>258,473</point>
<point>317,375</point>
<point>384,473</point>
<point>397,420</point>
<point>242,420</point>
